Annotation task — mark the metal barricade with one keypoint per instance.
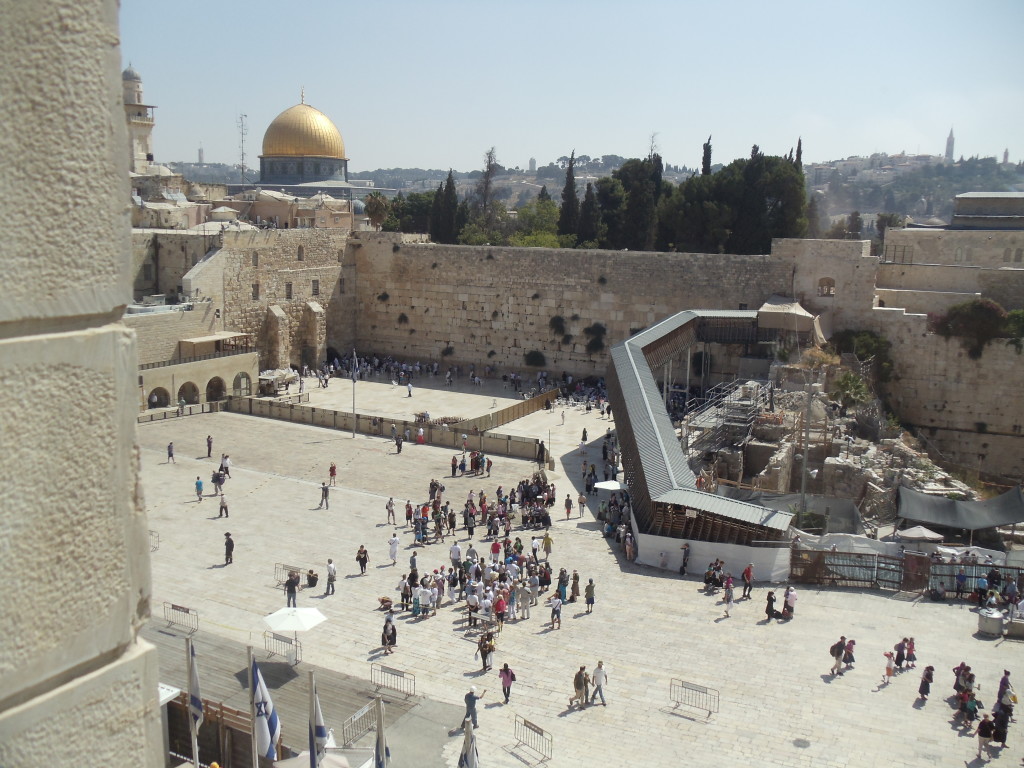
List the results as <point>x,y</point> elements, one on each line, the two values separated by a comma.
<point>533,736</point>
<point>282,645</point>
<point>394,679</point>
<point>358,725</point>
<point>281,571</point>
<point>692,695</point>
<point>179,615</point>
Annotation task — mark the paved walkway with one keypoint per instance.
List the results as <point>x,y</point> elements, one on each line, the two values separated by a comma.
<point>779,707</point>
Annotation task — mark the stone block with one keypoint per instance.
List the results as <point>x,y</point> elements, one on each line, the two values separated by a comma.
<point>108,717</point>
<point>76,550</point>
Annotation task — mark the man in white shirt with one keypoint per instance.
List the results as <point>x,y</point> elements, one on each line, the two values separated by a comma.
<point>456,555</point>
<point>332,576</point>
<point>536,548</point>
<point>600,677</point>
<point>393,548</point>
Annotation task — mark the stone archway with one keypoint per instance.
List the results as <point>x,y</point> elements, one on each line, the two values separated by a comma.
<point>215,389</point>
<point>242,385</point>
<point>159,398</point>
<point>188,392</point>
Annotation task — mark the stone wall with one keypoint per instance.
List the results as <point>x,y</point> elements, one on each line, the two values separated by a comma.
<point>171,378</point>
<point>491,305</point>
<point>169,254</point>
<point>972,410</point>
<point>77,686</point>
<point>158,333</point>
<point>980,248</point>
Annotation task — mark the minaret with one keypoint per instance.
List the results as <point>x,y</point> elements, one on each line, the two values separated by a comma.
<point>949,146</point>
<point>140,122</point>
<point>1006,156</point>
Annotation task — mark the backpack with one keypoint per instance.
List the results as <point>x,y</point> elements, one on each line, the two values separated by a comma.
<point>835,649</point>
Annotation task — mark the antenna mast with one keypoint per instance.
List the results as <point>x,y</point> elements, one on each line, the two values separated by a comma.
<point>242,131</point>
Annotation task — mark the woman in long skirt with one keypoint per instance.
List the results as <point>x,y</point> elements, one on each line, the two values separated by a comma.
<point>769,608</point>
<point>389,635</point>
<point>926,682</point>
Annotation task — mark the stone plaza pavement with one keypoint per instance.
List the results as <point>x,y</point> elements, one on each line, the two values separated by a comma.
<point>779,706</point>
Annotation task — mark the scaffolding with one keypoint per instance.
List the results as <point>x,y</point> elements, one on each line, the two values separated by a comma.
<point>725,417</point>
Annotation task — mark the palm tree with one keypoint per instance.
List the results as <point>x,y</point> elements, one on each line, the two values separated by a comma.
<point>377,208</point>
<point>850,389</point>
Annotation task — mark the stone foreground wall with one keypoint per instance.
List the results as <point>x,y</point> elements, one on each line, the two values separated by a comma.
<point>76,685</point>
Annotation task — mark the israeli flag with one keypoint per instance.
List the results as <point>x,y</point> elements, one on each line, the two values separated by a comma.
<point>195,699</point>
<point>317,733</point>
<point>266,724</point>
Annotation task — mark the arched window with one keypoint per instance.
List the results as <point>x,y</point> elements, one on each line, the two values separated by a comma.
<point>827,287</point>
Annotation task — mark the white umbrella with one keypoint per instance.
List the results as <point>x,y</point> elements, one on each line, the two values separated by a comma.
<point>294,620</point>
<point>610,485</point>
<point>919,533</point>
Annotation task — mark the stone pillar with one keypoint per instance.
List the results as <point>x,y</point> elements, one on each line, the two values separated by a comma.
<point>76,684</point>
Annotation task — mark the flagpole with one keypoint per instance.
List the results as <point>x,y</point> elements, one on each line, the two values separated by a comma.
<point>354,392</point>
<point>252,711</point>
<point>192,725</point>
<point>381,752</point>
<point>314,760</point>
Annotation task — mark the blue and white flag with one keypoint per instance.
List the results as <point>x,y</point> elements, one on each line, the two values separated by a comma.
<point>355,364</point>
<point>317,732</point>
<point>195,699</point>
<point>266,724</point>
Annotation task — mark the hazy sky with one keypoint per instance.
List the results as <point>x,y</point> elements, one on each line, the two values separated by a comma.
<point>434,85</point>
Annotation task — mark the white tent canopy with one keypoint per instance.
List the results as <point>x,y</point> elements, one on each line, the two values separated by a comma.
<point>919,533</point>
<point>786,314</point>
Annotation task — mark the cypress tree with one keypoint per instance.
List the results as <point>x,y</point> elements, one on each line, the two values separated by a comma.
<point>449,231</point>
<point>799,154</point>
<point>590,217</point>
<point>436,225</point>
<point>569,215</point>
<point>544,194</point>
<point>705,165</point>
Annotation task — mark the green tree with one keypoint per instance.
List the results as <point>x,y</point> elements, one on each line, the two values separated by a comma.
<point>705,164</point>
<point>591,226</point>
<point>377,207</point>
<point>449,230</point>
<point>569,215</point>
<point>641,180</point>
<point>854,225</point>
<point>436,214</point>
<point>813,219</point>
<point>799,154</point>
<point>611,197</point>
<point>975,322</point>
<point>850,389</point>
<point>543,194</point>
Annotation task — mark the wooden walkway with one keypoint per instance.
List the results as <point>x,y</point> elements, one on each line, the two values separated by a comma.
<point>222,678</point>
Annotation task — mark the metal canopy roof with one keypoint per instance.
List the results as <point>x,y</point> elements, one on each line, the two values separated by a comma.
<point>666,472</point>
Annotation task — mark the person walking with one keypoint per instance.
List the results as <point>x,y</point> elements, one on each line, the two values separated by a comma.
<point>568,506</point>
<point>985,730</point>
<point>209,446</point>
<point>686,559</point>
<point>393,548</point>
<point>588,595</point>
<point>389,634</point>
<point>890,667</point>
<point>600,678</point>
<point>291,589</point>
<point>325,493</point>
<point>791,601</point>
<point>455,464</point>
<point>408,388</point>
<point>580,682</point>
<point>223,511</point>
<point>199,488</point>
<point>547,545</point>
<point>390,507</point>
<point>362,557</point>
<point>748,581</point>
<point>837,651</point>
<point>582,501</point>
<point>332,576</point>
<point>229,549</point>
<point>471,700</point>
<point>170,453</point>
<point>333,473</point>
<point>507,678</point>
<point>556,611</point>
<point>848,659</point>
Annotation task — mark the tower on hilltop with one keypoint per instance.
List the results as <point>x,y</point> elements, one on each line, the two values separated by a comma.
<point>949,146</point>
<point>139,117</point>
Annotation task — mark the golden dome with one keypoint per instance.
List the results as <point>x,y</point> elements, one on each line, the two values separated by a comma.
<point>303,132</point>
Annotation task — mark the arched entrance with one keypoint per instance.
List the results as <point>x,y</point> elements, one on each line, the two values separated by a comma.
<point>159,398</point>
<point>188,392</point>
<point>242,385</point>
<point>215,389</point>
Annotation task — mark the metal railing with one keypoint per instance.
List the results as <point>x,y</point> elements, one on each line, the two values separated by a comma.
<point>533,736</point>
<point>282,645</point>
<point>687,694</point>
<point>393,679</point>
<point>281,571</point>
<point>181,616</point>
<point>358,725</point>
